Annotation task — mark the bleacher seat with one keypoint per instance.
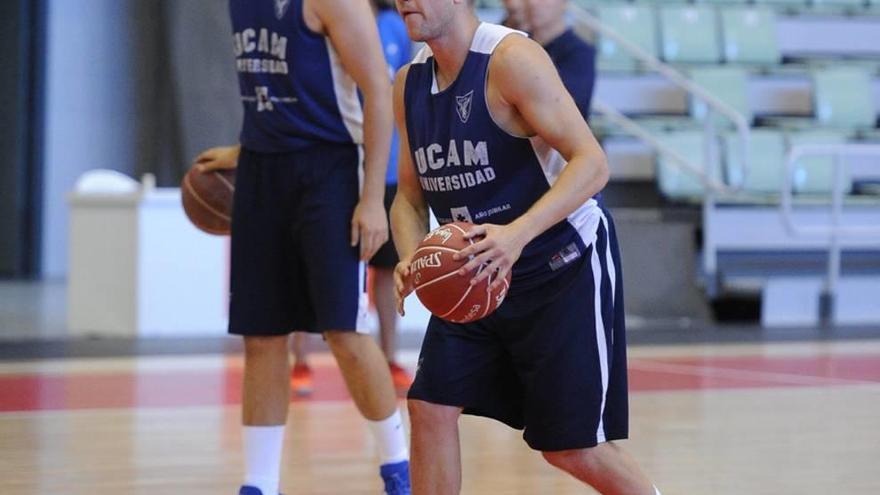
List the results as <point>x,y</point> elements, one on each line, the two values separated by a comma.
<point>689,34</point>
<point>842,98</point>
<point>636,23</point>
<point>765,165</point>
<point>749,35</point>
<point>728,84</point>
<point>673,182</point>
<point>814,175</point>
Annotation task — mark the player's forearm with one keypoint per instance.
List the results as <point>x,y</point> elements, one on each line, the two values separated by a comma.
<point>581,179</point>
<point>409,225</point>
<point>377,140</point>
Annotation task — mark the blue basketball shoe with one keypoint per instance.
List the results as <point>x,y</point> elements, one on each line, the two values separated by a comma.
<point>396,478</point>
<point>250,490</point>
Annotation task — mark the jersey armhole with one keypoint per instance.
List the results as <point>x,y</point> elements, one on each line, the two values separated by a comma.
<point>486,92</point>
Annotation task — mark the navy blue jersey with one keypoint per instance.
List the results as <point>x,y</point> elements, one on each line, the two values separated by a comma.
<point>293,87</point>
<point>472,170</point>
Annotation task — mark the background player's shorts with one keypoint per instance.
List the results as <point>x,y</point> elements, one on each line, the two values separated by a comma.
<point>293,267</point>
<point>555,367</point>
<point>386,256</point>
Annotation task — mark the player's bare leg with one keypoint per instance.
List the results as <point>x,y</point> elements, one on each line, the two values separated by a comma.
<point>435,466</point>
<point>386,307</point>
<point>606,467</point>
<point>266,395</point>
<point>366,373</point>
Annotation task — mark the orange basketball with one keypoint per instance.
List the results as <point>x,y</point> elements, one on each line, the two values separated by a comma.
<point>207,199</point>
<point>438,285</point>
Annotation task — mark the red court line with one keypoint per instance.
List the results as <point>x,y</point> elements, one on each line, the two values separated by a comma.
<point>143,389</point>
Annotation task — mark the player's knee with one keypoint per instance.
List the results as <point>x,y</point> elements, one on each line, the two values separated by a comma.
<point>423,413</point>
<point>583,461</point>
<point>347,347</point>
<point>261,345</point>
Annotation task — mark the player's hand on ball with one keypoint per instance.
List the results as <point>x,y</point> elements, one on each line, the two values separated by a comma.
<point>402,283</point>
<point>369,227</point>
<point>218,158</point>
<point>499,248</point>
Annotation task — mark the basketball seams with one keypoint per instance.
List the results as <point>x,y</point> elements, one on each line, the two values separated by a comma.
<point>437,279</point>
<point>442,248</point>
<point>225,181</point>
<point>195,195</point>
<point>466,293</point>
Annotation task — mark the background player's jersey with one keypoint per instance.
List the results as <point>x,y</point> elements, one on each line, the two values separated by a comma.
<point>472,170</point>
<point>292,84</point>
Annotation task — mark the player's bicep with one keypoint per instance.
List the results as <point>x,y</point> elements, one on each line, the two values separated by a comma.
<point>541,98</point>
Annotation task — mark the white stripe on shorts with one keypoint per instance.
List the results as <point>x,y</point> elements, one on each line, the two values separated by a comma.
<point>363,314</point>
<point>601,343</point>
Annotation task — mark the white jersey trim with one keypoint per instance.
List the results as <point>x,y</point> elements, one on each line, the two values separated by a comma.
<point>585,219</point>
<point>347,99</point>
<point>488,36</point>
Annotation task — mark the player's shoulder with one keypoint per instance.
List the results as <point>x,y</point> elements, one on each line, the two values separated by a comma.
<point>515,53</point>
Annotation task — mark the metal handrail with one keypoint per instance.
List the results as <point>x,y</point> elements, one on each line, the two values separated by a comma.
<point>638,131</point>
<point>713,104</point>
<point>833,231</point>
<point>836,151</point>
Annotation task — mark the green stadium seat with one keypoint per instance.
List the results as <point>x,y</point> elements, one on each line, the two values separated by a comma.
<point>815,175</point>
<point>637,24</point>
<point>673,182</point>
<point>689,34</point>
<point>728,84</point>
<point>749,35</point>
<point>842,98</point>
<point>765,161</point>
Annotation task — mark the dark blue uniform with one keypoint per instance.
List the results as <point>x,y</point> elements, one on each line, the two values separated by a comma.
<point>298,178</point>
<point>552,358</point>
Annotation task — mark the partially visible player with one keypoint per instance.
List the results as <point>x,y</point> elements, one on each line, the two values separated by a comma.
<point>490,134</point>
<point>516,15</point>
<point>305,219</point>
<point>574,58</point>
<point>398,49</point>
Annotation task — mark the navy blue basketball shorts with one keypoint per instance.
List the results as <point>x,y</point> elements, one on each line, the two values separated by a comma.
<point>293,267</point>
<point>386,256</point>
<point>555,368</point>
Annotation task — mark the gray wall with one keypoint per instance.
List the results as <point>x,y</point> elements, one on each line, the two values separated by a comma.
<point>133,86</point>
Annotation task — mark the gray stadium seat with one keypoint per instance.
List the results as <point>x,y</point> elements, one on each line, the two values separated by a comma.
<point>842,98</point>
<point>636,23</point>
<point>814,175</point>
<point>689,34</point>
<point>765,161</point>
<point>728,84</point>
<point>749,35</point>
<point>673,182</point>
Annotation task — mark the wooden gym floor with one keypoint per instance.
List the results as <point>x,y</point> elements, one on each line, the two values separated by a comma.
<point>706,419</point>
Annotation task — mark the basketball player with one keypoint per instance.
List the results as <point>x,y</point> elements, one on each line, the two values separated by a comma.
<point>574,58</point>
<point>303,219</point>
<point>552,359</point>
<point>397,49</point>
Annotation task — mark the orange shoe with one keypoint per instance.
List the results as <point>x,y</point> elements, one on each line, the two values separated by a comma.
<point>401,378</point>
<point>301,380</point>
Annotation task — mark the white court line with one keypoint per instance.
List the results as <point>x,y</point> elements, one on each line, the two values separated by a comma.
<point>719,372</point>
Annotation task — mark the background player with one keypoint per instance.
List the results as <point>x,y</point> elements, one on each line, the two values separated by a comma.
<point>574,58</point>
<point>398,50</point>
<point>552,359</point>
<point>302,219</point>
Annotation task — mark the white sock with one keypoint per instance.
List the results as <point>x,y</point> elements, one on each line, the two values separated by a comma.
<point>391,438</point>
<point>262,457</point>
